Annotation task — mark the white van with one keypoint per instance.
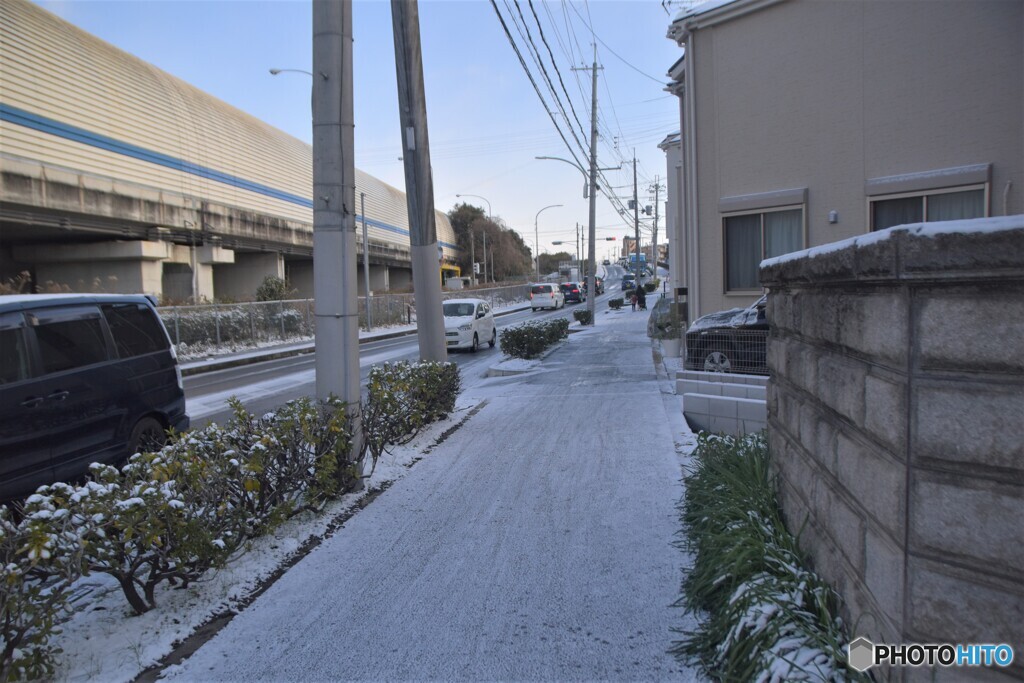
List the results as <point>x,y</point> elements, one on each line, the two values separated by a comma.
<point>546,295</point>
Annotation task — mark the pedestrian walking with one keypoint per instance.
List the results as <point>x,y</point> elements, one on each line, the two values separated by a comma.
<point>641,297</point>
<point>632,299</point>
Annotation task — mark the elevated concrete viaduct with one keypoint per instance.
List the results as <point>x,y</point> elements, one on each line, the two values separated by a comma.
<point>115,176</point>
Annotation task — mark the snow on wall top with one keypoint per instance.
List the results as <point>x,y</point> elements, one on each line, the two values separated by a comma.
<point>963,227</point>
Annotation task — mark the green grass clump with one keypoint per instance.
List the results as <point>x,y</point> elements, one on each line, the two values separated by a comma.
<point>765,616</point>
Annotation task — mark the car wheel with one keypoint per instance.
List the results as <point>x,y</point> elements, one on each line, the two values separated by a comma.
<point>476,343</point>
<point>534,309</point>
<point>147,436</point>
<point>717,360</point>
<point>494,337</point>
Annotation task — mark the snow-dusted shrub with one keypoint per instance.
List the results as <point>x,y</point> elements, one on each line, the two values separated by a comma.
<point>170,516</point>
<point>766,616</point>
<point>40,557</point>
<point>616,303</point>
<point>135,527</point>
<point>583,316</point>
<point>289,460</point>
<point>531,339</point>
<point>402,398</point>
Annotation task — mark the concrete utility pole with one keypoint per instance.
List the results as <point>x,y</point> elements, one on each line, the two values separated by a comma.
<point>334,225</point>
<point>366,261</point>
<point>592,231</point>
<point>654,241</point>
<point>636,223</point>
<point>419,183</point>
<point>472,258</point>
<point>485,259</point>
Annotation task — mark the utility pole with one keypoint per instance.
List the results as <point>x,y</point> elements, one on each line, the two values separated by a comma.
<point>366,261</point>
<point>654,249</point>
<point>419,183</point>
<point>636,223</point>
<point>485,258</point>
<point>472,258</point>
<point>578,263</point>
<point>335,287</point>
<point>592,230</point>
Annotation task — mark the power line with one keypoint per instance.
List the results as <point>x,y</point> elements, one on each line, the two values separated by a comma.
<point>620,57</point>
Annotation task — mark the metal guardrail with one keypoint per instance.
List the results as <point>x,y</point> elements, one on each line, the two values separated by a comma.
<point>203,329</point>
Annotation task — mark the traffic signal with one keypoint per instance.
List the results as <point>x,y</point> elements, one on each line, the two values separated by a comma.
<point>476,269</point>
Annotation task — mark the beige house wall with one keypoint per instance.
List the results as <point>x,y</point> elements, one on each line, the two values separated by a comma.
<point>829,95</point>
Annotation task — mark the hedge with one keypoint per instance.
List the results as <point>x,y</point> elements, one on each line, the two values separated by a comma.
<point>171,516</point>
<point>531,339</point>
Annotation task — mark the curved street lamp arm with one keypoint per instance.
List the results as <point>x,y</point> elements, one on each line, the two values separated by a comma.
<point>274,72</point>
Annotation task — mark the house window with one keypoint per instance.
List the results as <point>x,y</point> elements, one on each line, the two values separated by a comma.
<point>947,205</point>
<point>751,238</point>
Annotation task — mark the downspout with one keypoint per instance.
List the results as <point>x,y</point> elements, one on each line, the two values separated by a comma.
<point>690,167</point>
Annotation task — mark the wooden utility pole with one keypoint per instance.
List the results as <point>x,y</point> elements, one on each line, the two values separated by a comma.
<point>335,286</point>
<point>419,182</point>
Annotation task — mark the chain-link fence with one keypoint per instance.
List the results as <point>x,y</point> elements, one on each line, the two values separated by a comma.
<point>201,330</point>
<point>728,350</point>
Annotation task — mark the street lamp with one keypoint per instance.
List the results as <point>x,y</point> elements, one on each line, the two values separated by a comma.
<point>489,212</point>
<point>590,183</point>
<point>274,72</point>
<point>536,237</point>
<point>489,217</point>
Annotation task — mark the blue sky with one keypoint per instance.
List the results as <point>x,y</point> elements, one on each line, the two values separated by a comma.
<point>486,121</point>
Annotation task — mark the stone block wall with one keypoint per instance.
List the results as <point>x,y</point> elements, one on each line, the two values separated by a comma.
<point>896,423</point>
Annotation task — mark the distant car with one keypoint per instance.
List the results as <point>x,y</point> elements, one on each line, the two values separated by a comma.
<point>546,295</point>
<point>598,285</point>
<point>573,292</point>
<point>467,323</point>
<point>83,379</point>
<point>628,281</point>
<point>729,341</point>
<point>606,262</point>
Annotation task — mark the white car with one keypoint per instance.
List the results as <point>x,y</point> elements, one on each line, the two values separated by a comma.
<point>467,323</point>
<point>546,295</point>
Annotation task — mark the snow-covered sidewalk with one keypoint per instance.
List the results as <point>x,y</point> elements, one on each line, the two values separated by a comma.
<point>529,537</point>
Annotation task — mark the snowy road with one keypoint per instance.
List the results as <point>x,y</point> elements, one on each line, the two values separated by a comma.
<point>533,544</point>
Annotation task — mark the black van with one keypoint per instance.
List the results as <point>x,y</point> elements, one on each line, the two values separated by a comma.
<point>83,378</point>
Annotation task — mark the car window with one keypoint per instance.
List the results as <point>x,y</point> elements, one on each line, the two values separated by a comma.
<point>541,289</point>
<point>458,310</point>
<point>68,344</point>
<point>13,356</point>
<point>135,328</point>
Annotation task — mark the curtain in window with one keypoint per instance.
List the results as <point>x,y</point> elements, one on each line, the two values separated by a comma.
<point>742,251</point>
<point>783,232</point>
<point>953,206</point>
<point>890,212</point>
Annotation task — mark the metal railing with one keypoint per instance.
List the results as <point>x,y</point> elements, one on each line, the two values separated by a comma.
<point>215,328</point>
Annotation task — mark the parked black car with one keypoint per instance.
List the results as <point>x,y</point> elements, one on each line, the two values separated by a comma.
<point>574,293</point>
<point>729,341</point>
<point>83,379</point>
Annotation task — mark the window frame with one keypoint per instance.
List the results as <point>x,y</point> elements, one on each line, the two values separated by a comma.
<point>985,187</point>
<point>757,212</point>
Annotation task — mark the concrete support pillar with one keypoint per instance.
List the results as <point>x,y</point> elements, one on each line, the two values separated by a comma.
<point>133,267</point>
<point>300,278</point>
<point>240,280</point>
<point>379,279</point>
<point>399,278</point>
